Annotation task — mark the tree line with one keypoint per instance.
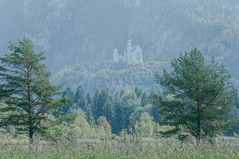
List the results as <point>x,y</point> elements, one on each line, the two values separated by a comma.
<point>196,99</point>
<point>122,109</point>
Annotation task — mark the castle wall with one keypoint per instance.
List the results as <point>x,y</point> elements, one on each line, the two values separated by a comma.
<point>132,55</point>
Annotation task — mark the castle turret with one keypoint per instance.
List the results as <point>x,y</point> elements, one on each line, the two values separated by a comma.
<point>133,54</point>
<point>129,46</point>
<point>116,56</point>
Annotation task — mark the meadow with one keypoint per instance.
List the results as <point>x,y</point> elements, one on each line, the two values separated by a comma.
<point>116,149</point>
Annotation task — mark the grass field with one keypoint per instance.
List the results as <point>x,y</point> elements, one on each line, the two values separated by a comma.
<point>157,149</point>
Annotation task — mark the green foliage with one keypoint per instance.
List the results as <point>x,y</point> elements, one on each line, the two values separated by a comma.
<point>103,105</point>
<point>27,89</point>
<point>197,96</point>
<point>145,126</point>
<point>104,128</point>
<point>80,128</point>
<point>233,130</point>
<point>68,95</point>
<point>121,109</point>
<point>85,129</point>
<point>115,77</point>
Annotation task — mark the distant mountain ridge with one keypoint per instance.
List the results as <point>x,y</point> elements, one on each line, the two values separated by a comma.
<point>77,31</point>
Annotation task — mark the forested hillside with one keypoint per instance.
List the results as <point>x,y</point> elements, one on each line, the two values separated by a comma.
<point>109,75</point>
<point>75,31</point>
<point>119,79</point>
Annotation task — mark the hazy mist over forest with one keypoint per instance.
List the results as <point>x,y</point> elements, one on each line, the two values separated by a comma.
<point>119,79</point>
<point>79,31</point>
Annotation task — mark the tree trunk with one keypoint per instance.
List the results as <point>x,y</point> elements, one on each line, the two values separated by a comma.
<point>30,135</point>
<point>30,111</point>
<point>198,137</point>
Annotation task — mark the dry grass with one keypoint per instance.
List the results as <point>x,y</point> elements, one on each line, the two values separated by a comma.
<point>145,149</point>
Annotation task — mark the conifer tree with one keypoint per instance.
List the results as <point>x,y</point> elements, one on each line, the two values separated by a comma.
<point>198,96</point>
<point>28,92</point>
<point>68,106</point>
<point>144,99</point>
<point>80,101</point>
<point>89,109</point>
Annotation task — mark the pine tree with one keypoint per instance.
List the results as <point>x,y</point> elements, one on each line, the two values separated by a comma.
<point>105,105</point>
<point>125,105</point>
<point>68,106</point>
<point>80,99</point>
<point>95,105</point>
<point>144,99</point>
<point>138,92</point>
<point>197,96</point>
<point>29,95</point>
<point>89,109</point>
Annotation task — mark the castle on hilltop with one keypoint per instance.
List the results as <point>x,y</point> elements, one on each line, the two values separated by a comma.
<point>133,55</point>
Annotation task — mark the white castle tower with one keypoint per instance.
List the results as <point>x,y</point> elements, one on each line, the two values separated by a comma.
<point>116,56</point>
<point>133,54</point>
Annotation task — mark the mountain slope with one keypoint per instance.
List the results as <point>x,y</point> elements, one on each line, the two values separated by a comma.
<point>76,31</point>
